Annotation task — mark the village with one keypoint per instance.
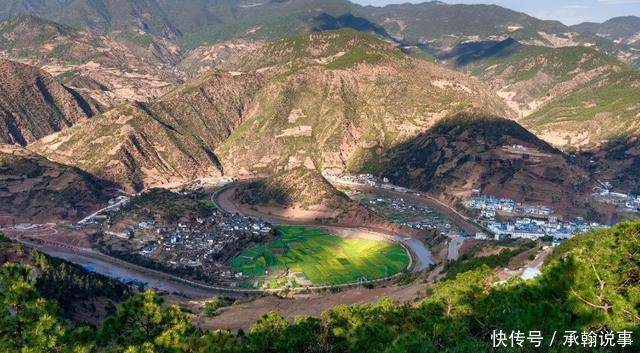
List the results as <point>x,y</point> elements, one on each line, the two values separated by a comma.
<point>201,244</point>
<point>623,201</point>
<point>520,221</point>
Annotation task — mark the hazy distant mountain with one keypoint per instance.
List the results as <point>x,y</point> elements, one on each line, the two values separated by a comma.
<point>623,29</point>
<point>434,27</point>
<point>161,17</point>
<point>434,21</point>
<point>198,20</point>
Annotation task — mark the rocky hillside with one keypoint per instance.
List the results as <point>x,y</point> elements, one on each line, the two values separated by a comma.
<point>126,64</point>
<point>335,100</point>
<point>569,96</point>
<point>33,104</point>
<point>527,77</point>
<point>36,189</point>
<point>139,145</point>
<point>497,156</point>
<point>330,100</point>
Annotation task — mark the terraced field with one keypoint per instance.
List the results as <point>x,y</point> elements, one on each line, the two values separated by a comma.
<point>303,255</point>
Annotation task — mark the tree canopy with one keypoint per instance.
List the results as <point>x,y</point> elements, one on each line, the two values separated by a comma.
<point>590,284</point>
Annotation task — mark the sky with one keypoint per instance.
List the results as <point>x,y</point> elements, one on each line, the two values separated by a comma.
<point>567,11</point>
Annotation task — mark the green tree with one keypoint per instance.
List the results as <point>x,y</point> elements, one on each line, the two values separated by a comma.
<point>211,307</point>
<point>143,323</point>
<point>220,342</point>
<point>266,332</point>
<point>29,323</point>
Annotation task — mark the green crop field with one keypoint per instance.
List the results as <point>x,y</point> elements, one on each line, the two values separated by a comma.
<point>322,258</point>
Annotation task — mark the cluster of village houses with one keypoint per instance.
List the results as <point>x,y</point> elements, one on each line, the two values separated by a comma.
<point>489,205</point>
<point>201,242</point>
<point>529,221</point>
<point>528,228</point>
<point>623,201</point>
<point>363,179</point>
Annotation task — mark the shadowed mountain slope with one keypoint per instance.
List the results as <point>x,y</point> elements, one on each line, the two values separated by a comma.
<point>34,188</point>
<point>33,104</point>
<point>299,187</point>
<point>497,156</point>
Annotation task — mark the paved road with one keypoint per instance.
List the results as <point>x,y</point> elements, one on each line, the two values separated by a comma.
<point>91,216</point>
<point>454,248</point>
<point>423,256</point>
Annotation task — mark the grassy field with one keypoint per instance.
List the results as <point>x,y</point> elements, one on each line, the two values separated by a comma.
<point>322,258</point>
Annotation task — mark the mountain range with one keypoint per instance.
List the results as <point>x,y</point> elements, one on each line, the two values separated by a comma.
<point>424,160</point>
<point>146,93</point>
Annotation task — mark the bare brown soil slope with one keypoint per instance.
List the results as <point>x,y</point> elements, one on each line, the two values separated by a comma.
<point>34,188</point>
<point>126,64</point>
<point>33,104</point>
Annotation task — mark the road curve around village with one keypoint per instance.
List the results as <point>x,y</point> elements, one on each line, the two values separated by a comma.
<point>420,255</point>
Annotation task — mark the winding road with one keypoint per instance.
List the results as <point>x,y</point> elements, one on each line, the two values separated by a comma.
<point>40,237</point>
<point>421,256</point>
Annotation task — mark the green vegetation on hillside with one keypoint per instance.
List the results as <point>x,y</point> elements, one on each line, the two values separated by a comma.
<point>322,258</point>
<point>591,283</point>
<point>606,108</point>
<point>72,287</point>
<point>354,57</point>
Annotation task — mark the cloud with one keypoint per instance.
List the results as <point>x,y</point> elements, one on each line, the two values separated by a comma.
<point>576,7</point>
